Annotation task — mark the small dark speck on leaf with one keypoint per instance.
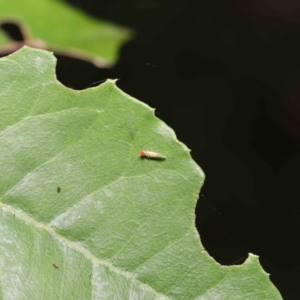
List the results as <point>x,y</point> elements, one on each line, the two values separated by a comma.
<point>55,266</point>
<point>58,189</point>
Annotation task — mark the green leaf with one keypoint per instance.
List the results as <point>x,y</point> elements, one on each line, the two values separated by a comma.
<point>65,29</point>
<point>118,226</point>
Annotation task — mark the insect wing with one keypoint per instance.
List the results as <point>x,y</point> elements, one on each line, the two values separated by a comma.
<point>151,154</point>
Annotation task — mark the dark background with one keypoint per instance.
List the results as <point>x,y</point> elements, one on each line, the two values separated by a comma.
<point>225,76</point>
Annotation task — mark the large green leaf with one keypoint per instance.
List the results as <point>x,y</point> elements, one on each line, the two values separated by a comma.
<point>65,28</point>
<point>118,226</point>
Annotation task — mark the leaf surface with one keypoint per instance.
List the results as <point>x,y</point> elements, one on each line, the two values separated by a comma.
<point>82,215</point>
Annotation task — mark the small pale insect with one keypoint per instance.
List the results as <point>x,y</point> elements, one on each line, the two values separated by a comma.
<point>55,266</point>
<point>151,154</point>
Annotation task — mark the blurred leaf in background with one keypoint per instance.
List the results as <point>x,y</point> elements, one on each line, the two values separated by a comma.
<point>63,29</point>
